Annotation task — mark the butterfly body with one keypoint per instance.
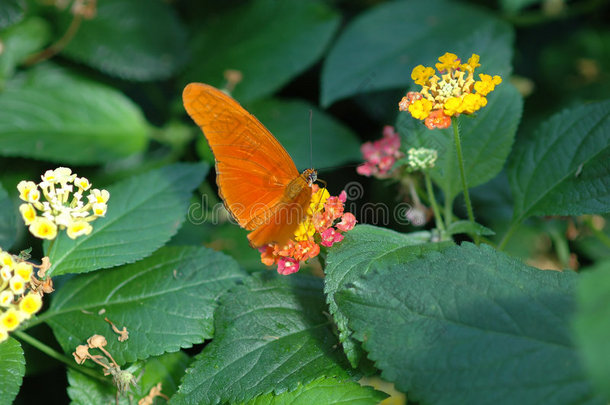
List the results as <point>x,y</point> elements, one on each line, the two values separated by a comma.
<point>257,179</point>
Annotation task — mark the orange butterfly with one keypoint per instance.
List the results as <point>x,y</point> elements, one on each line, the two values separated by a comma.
<point>257,179</point>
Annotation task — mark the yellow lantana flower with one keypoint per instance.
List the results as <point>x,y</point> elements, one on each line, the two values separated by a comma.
<point>43,228</point>
<point>30,304</point>
<point>10,320</point>
<point>420,109</point>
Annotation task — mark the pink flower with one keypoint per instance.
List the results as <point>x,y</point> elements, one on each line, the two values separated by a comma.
<point>334,206</point>
<point>348,221</point>
<point>330,237</point>
<point>380,155</point>
<point>366,169</point>
<point>287,265</point>
<point>343,196</point>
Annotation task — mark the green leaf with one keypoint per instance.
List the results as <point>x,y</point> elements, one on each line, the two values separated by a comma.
<point>271,334</point>
<point>167,369</point>
<point>512,6</point>
<point>12,369</point>
<point>134,40</point>
<point>21,41</point>
<point>289,122</point>
<point>469,228</point>
<point>11,12</point>
<point>246,39</point>
<point>470,325</point>
<point>364,249</point>
<point>165,301</point>
<point>592,324</point>
<point>8,220</point>
<point>486,138</point>
<point>564,168</point>
<point>324,391</point>
<point>397,36</point>
<point>144,212</point>
<point>48,113</point>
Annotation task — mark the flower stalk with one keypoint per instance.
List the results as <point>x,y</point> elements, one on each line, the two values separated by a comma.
<point>458,151</point>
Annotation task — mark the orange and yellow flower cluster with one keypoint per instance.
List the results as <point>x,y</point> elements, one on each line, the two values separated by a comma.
<point>59,202</point>
<point>455,92</point>
<point>20,292</point>
<point>323,225</point>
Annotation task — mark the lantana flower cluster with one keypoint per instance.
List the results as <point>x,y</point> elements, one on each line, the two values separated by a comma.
<point>59,202</point>
<point>421,159</point>
<point>20,292</point>
<point>324,223</point>
<point>455,92</point>
<point>381,154</point>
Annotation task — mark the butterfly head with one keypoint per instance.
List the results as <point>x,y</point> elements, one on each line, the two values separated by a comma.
<point>311,175</point>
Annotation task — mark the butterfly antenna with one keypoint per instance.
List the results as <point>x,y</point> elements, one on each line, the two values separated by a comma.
<point>310,139</point>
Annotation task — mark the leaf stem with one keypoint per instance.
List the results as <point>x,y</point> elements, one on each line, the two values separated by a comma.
<point>511,229</point>
<point>432,198</point>
<point>49,351</point>
<point>458,150</point>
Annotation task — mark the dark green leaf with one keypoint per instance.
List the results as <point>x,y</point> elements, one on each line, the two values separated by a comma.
<point>470,325</point>
<point>469,228</point>
<point>289,122</point>
<point>271,335</point>
<point>165,301</point>
<point>21,41</point>
<point>166,369</point>
<point>47,113</point>
<point>364,249</point>
<point>564,169</point>
<point>328,391</point>
<point>486,138</point>
<point>512,6</point>
<point>268,41</point>
<point>144,212</point>
<point>11,12</point>
<point>592,324</point>
<point>134,40</point>
<point>8,220</point>
<point>397,36</point>
<point>12,369</point>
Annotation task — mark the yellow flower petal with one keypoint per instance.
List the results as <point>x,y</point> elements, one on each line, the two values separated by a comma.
<point>420,109</point>
<point>30,304</point>
<point>43,228</point>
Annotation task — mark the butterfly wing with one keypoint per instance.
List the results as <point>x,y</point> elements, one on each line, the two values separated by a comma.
<point>253,169</point>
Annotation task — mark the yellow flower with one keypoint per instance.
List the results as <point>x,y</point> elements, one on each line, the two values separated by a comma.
<point>452,106</point>
<point>317,201</point>
<point>17,284</point>
<point>82,183</point>
<point>6,298</point>
<point>6,273</point>
<point>99,209</point>
<point>78,228</point>
<point>305,230</point>
<point>25,187</point>
<point>28,213</point>
<point>421,74</point>
<point>420,109</point>
<point>473,102</point>
<point>487,84</point>
<point>10,320</point>
<point>24,269</point>
<point>43,228</point>
<point>448,61</point>
<point>3,334</point>
<point>98,196</point>
<point>472,64</point>
<point>30,304</point>
<point>6,259</point>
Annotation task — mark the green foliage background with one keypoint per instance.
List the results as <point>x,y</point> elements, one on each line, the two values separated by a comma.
<point>445,322</point>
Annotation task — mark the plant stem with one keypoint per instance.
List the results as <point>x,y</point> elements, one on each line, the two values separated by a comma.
<point>49,351</point>
<point>458,150</point>
<point>511,229</point>
<point>437,212</point>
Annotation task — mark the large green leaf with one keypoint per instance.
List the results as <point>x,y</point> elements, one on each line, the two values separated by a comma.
<point>48,113</point>
<point>486,138</point>
<point>134,40</point>
<point>564,168</point>
<point>144,212</point>
<point>11,12</point>
<point>327,391</point>
<point>470,325</point>
<point>333,143</point>
<point>271,334</point>
<point>165,301</point>
<point>166,369</point>
<point>8,220</point>
<point>21,41</point>
<point>397,36</point>
<point>592,324</point>
<point>12,369</point>
<point>364,249</point>
<point>247,39</point>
